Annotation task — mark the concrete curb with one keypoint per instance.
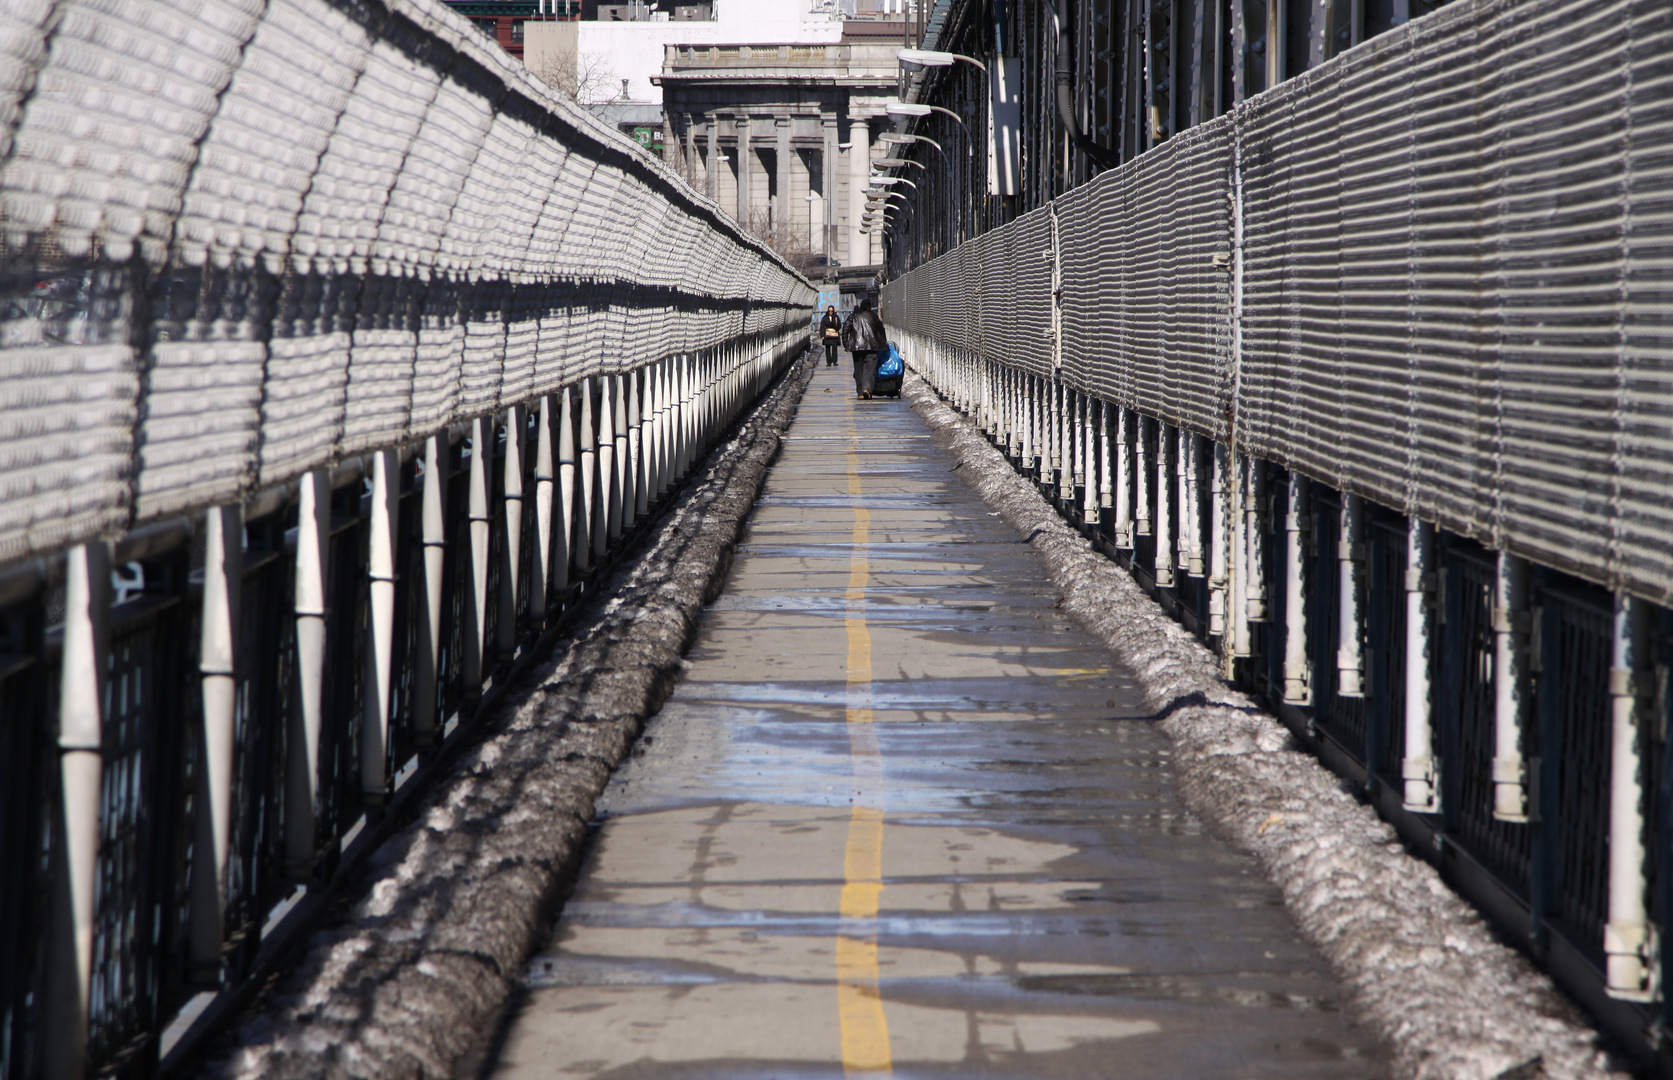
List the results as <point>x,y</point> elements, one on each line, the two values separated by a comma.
<point>1422,967</point>
<point>409,978</point>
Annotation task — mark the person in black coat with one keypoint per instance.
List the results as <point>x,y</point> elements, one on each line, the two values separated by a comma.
<point>864,336</point>
<point>830,334</point>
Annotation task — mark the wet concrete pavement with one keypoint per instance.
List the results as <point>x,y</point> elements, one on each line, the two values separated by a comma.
<point>903,818</point>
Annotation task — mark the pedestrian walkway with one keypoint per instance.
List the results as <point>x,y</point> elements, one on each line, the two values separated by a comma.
<point>902,817</point>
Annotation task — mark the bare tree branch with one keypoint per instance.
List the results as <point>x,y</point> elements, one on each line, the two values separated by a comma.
<point>584,77</point>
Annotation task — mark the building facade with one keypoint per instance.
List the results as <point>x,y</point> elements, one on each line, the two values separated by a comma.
<point>507,21</point>
<point>783,137</point>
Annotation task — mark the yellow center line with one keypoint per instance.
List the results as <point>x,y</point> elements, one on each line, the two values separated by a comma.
<point>865,1030</point>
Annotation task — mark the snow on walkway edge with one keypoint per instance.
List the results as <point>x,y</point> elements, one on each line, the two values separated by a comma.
<point>1421,966</point>
<point>452,905</point>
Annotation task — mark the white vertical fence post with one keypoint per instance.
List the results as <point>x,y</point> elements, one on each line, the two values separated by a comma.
<point>1350,613</point>
<point>1629,939</point>
<point>1417,769</point>
<point>1242,571</point>
<point>624,497</point>
<point>81,778</point>
<point>609,523</point>
<point>587,516</point>
<point>638,407</point>
<point>1123,465</point>
<point>1143,471</point>
<point>426,725</point>
<point>570,529</point>
<point>1189,546</point>
<point>545,486</point>
<point>1219,538</point>
<point>1106,482</point>
<point>1510,688</point>
<point>223,571</point>
<point>511,552</point>
<point>313,550</point>
<point>1166,444</point>
<point>1298,681</point>
<point>1255,511</point>
<point>476,597</point>
<point>380,646</point>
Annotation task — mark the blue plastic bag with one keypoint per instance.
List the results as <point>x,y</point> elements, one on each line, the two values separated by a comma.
<point>889,365</point>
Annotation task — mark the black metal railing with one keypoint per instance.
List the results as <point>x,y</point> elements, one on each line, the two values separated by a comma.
<point>154,803</point>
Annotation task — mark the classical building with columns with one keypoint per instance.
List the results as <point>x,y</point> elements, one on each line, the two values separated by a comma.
<point>783,136</point>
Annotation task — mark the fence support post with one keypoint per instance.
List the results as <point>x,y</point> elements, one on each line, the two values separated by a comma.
<point>81,776</point>
<point>540,566</point>
<point>1026,394</point>
<point>511,552</point>
<point>426,725</point>
<point>1190,505</point>
<point>1242,570</point>
<point>1417,770</point>
<point>1218,539</point>
<point>1091,479</point>
<point>1350,615</point>
<point>609,524</point>
<point>1123,466</point>
<point>380,650</point>
<point>476,621</point>
<point>568,500</point>
<point>223,571</point>
<point>1629,940</point>
<point>313,551</point>
<point>1166,445</point>
<point>587,514</point>
<point>1106,482</point>
<point>1298,684</point>
<point>624,496</point>
<point>1142,470</point>
<point>638,407</point>
<point>1255,513</point>
<point>1510,688</point>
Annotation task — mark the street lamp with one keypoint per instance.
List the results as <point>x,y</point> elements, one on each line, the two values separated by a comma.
<point>899,138</point>
<point>910,108</point>
<point>913,59</point>
<point>877,179</point>
<point>897,162</point>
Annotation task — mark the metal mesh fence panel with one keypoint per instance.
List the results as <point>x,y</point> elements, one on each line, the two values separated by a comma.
<point>1450,295</point>
<point>243,240</point>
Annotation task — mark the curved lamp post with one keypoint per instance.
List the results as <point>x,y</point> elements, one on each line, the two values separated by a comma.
<point>908,108</point>
<point>901,138</point>
<point>897,162</point>
<point>914,59</point>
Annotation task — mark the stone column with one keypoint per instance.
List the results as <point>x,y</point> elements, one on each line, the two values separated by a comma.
<point>744,153</point>
<point>711,167</point>
<point>670,148</point>
<point>782,212</point>
<point>828,166</point>
<point>859,166</point>
<point>691,148</point>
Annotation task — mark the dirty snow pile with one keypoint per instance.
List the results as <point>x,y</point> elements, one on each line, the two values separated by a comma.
<point>1421,966</point>
<point>414,973</point>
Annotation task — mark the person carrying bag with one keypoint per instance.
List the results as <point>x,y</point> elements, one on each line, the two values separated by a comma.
<point>863,336</point>
<point>830,334</point>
